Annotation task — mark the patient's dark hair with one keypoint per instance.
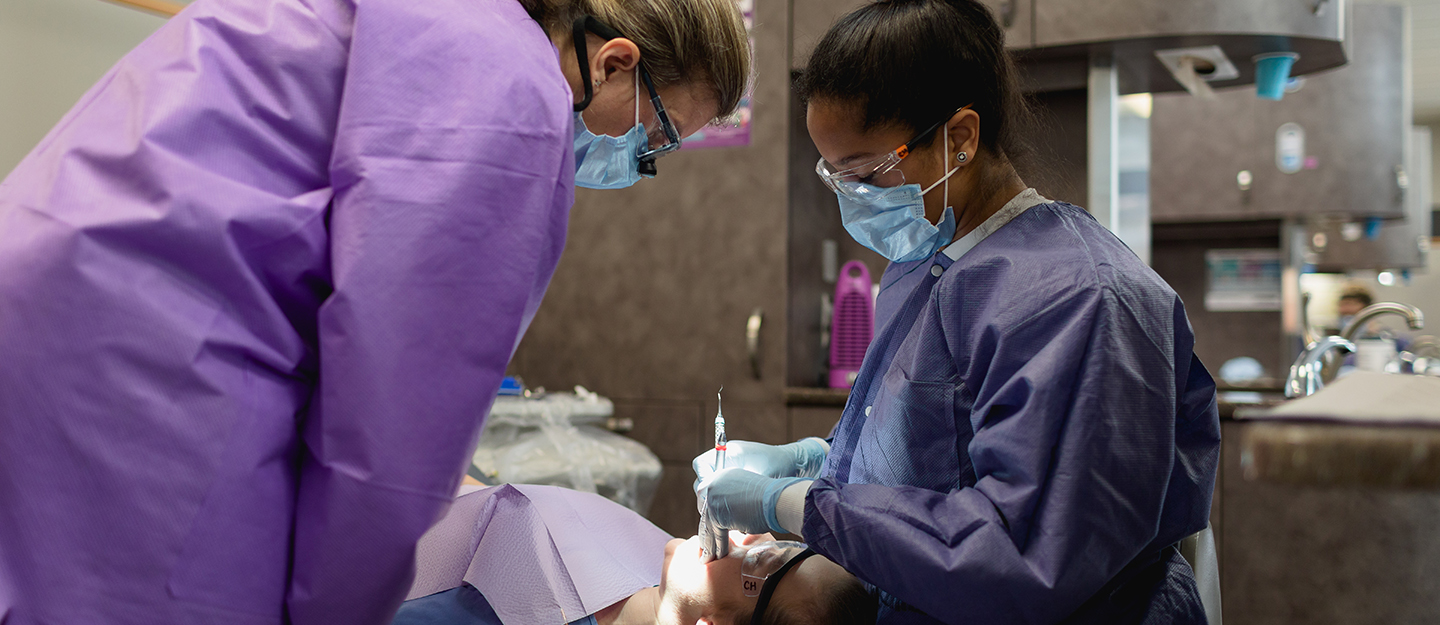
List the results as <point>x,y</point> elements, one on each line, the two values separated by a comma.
<point>845,603</point>
<point>913,63</point>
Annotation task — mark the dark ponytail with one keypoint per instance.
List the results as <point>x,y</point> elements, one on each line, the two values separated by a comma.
<point>912,63</point>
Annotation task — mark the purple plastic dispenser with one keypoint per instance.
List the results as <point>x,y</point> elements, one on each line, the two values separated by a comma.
<point>853,325</point>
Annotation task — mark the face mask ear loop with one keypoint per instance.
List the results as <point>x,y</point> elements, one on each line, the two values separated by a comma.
<point>946,178</point>
<point>637,94</point>
<point>945,158</point>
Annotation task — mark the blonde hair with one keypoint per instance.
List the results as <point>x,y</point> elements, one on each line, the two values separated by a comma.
<point>682,42</point>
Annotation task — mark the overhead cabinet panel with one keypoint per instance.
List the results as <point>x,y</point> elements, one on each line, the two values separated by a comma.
<point>1395,243</point>
<point>1067,22</point>
<point>1333,147</point>
<point>812,18</point>
<point>1131,31</point>
<point>1355,122</point>
<point>1016,17</point>
<point>1203,158</point>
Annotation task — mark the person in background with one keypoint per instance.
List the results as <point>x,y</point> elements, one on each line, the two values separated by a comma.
<point>1030,435</point>
<point>259,286</point>
<point>1352,301</point>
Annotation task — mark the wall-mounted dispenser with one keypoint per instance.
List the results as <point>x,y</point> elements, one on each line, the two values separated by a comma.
<point>853,326</point>
<point>1272,73</point>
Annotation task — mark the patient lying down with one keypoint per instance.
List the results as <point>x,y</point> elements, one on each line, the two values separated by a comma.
<point>519,555</point>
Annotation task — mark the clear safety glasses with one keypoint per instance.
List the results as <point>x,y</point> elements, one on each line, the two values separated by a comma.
<point>763,560</point>
<point>864,181</point>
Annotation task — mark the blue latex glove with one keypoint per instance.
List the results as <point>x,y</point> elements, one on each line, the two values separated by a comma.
<point>802,458</point>
<point>743,500</point>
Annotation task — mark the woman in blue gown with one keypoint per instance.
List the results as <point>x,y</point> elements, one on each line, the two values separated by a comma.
<point>1030,434</point>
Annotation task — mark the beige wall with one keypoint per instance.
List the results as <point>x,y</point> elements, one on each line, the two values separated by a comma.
<point>51,52</point>
<point>1434,161</point>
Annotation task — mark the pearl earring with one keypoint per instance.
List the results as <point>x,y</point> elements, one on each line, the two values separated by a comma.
<point>960,157</point>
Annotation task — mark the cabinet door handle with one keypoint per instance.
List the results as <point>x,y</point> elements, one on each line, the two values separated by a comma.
<point>752,340</point>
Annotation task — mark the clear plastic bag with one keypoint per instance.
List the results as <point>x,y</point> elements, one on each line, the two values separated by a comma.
<point>558,439</point>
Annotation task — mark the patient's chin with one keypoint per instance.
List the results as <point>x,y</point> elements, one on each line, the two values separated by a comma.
<point>684,587</point>
<point>684,571</point>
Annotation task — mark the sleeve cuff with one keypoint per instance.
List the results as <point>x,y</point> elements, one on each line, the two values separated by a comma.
<point>790,510</point>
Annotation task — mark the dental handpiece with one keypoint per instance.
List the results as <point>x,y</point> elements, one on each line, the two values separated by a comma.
<point>721,538</point>
<point>714,536</point>
<point>719,435</point>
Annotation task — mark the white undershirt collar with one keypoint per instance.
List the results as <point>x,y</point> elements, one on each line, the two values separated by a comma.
<point>1012,209</point>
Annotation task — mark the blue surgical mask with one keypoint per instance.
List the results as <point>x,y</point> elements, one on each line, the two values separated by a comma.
<point>892,222</point>
<point>894,225</point>
<point>606,162</point>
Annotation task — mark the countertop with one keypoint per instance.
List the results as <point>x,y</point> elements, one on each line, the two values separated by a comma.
<point>816,396</point>
<point>1332,454</point>
<point>1230,399</point>
<point>1308,453</point>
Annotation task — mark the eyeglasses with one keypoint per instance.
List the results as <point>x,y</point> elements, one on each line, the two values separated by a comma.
<point>771,562</point>
<point>867,180</point>
<point>763,560</point>
<point>588,23</point>
<point>672,135</point>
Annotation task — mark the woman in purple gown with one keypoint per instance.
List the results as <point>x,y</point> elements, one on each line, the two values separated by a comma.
<point>259,287</point>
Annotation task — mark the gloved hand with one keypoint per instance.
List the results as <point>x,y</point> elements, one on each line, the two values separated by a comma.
<point>802,458</point>
<point>743,500</point>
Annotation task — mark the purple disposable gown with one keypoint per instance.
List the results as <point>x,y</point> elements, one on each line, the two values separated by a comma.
<point>257,292</point>
<point>1029,436</point>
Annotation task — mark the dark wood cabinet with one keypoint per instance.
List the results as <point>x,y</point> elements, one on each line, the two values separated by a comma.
<point>1071,22</point>
<point>1291,555</point>
<point>811,18</point>
<point>1355,122</point>
<point>1017,17</point>
<point>1204,157</point>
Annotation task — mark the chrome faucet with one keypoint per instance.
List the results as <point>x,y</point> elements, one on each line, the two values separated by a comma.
<point>1425,347</point>
<point>1314,368</point>
<point>1412,316</point>
<point>1307,374</point>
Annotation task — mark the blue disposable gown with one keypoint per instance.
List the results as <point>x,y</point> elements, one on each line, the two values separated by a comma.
<point>1029,436</point>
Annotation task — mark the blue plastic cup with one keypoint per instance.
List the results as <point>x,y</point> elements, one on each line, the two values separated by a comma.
<point>1272,72</point>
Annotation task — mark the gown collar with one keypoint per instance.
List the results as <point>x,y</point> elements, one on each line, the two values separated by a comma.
<point>1012,209</point>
